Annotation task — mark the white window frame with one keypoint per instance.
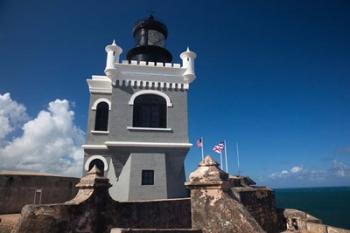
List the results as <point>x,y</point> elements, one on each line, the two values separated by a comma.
<point>154,92</point>
<point>94,106</point>
<point>91,158</point>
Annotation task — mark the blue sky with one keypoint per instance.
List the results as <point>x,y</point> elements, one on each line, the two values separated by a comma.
<point>271,75</point>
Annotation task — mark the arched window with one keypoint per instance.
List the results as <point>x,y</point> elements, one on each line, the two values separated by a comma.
<point>150,111</point>
<point>101,121</point>
<point>99,164</point>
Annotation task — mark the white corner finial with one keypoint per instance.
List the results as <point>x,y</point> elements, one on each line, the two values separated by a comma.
<point>188,58</point>
<point>113,55</point>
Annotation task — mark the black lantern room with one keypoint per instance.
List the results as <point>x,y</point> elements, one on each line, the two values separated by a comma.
<point>150,36</point>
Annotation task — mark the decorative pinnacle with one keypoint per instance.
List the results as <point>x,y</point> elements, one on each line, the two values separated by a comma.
<point>114,43</point>
<point>95,171</point>
<point>207,173</point>
<point>188,49</point>
<point>208,161</point>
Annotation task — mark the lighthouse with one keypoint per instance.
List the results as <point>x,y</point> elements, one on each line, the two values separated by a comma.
<point>137,130</point>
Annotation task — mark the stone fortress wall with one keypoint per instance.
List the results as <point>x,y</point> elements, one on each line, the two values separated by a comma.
<point>299,221</point>
<point>19,188</point>
<point>219,203</point>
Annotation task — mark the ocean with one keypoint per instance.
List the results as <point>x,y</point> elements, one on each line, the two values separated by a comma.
<point>330,204</point>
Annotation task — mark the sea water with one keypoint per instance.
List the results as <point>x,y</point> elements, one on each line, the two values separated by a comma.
<point>330,204</point>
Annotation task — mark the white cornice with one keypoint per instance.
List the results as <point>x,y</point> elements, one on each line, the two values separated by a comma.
<point>96,147</point>
<point>100,84</point>
<point>137,144</point>
<point>151,84</point>
<point>148,144</point>
<point>154,72</point>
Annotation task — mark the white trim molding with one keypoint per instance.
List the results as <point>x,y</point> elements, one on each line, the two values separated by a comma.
<point>154,92</point>
<point>139,83</point>
<point>131,128</point>
<point>99,157</point>
<point>99,132</point>
<point>148,144</point>
<point>94,106</point>
<point>94,147</point>
<point>100,85</point>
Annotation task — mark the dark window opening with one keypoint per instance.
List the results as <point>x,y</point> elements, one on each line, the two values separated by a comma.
<point>147,177</point>
<point>99,164</point>
<point>150,111</point>
<point>101,121</point>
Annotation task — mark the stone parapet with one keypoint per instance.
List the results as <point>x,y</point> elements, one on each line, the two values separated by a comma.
<point>20,188</point>
<point>260,202</point>
<point>214,208</point>
<point>301,222</point>
<point>94,211</point>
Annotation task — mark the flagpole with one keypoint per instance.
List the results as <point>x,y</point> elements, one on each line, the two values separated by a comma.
<point>202,148</point>
<point>226,165</point>
<point>237,153</point>
<point>221,160</point>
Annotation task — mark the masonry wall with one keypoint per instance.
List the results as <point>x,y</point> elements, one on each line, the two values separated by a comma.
<point>302,222</point>
<point>171,213</point>
<point>260,202</point>
<point>17,190</point>
<point>100,214</point>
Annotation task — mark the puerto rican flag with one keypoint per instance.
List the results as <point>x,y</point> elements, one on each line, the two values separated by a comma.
<point>219,147</point>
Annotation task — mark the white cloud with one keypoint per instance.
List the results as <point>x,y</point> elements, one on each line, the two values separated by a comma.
<point>287,173</point>
<point>337,169</point>
<point>51,142</point>
<point>12,114</point>
<point>296,169</point>
<point>284,172</point>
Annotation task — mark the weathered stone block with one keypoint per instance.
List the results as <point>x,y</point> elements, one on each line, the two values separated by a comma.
<point>214,208</point>
<point>336,230</point>
<point>316,227</point>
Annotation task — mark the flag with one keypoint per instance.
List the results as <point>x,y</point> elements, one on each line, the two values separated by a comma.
<point>219,147</point>
<point>199,143</point>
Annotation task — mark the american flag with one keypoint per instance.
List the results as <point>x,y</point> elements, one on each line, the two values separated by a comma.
<point>219,147</point>
<point>199,142</point>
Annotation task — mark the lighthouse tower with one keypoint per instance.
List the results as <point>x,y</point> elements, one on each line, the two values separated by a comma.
<point>137,127</point>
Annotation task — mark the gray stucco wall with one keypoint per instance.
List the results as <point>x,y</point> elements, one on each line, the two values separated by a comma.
<point>121,115</point>
<point>175,170</point>
<point>147,161</point>
<point>127,163</point>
